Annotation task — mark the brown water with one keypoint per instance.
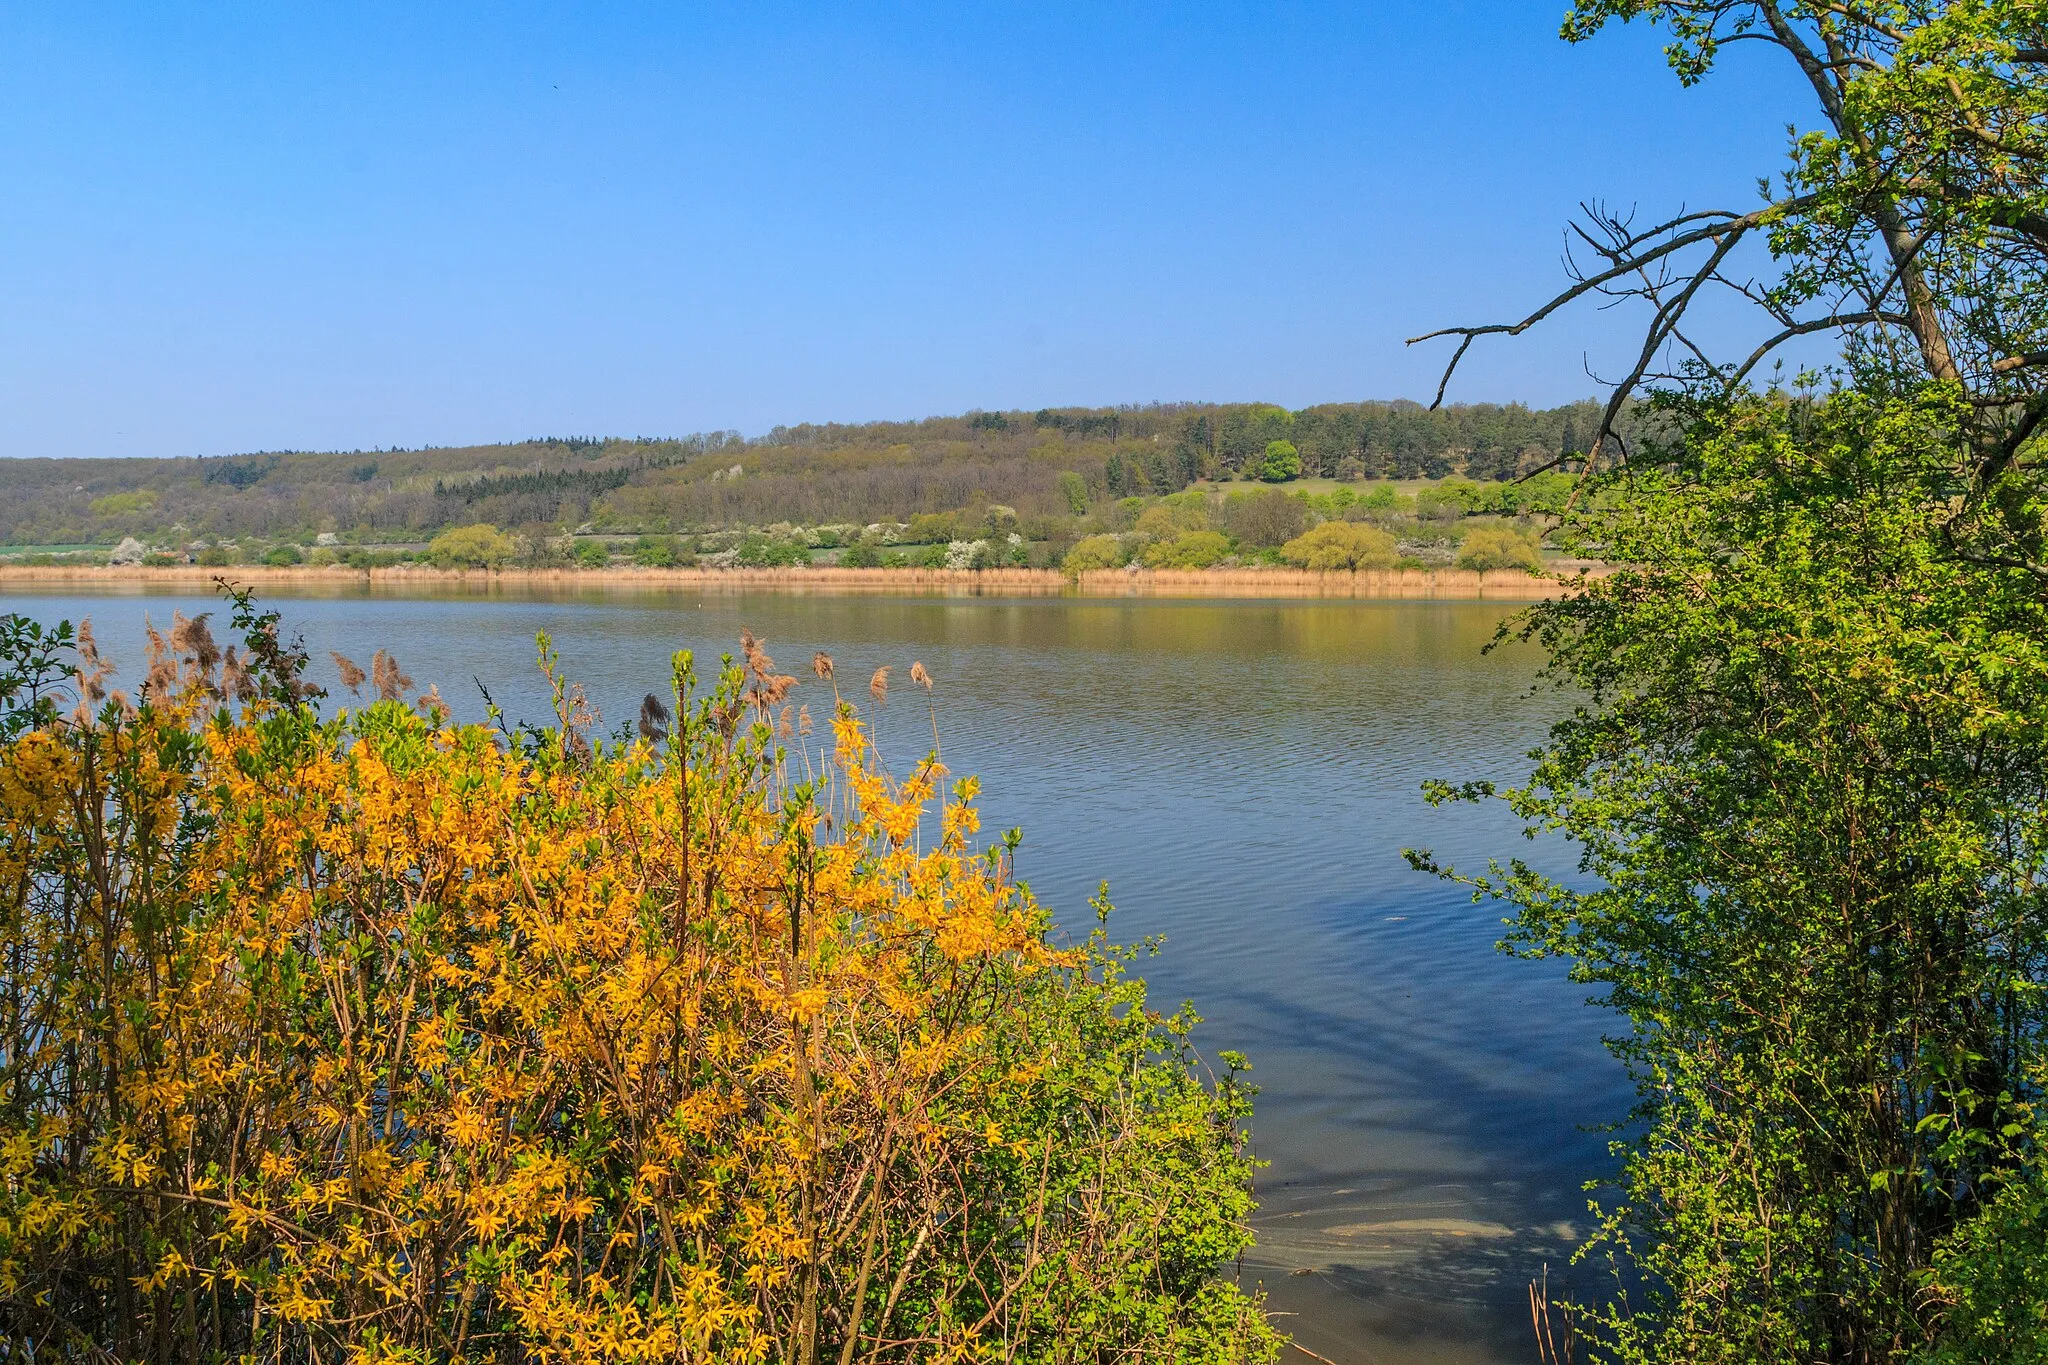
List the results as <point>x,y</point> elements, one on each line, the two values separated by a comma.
<point>1244,774</point>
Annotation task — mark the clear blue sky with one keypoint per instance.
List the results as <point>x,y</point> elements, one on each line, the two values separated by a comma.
<point>237,227</point>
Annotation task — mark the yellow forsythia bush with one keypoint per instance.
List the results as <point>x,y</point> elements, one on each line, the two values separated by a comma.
<point>366,1036</point>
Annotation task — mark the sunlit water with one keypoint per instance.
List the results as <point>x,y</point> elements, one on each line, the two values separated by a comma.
<point>1244,774</point>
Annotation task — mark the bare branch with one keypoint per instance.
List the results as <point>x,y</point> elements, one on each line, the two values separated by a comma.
<point>1720,227</point>
<point>1801,329</point>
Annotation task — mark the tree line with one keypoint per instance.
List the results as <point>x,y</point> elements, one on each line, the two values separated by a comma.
<point>808,474</point>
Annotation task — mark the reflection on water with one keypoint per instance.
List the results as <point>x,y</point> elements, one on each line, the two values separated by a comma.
<point>1244,774</point>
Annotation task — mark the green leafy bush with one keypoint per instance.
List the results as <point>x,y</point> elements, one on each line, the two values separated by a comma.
<point>481,546</point>
<point>1499,547</point>
<point>280,556</point>
<point>929,527</point>
<point>1094,552</point>
<point>1189,550</point>
<point>1453,498</point>
<point>657,552</point>
<point>860,556</point>
<point>1338,546</point>
<point>763,552</point>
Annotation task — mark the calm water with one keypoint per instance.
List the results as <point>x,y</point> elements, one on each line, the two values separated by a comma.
<point>1244,774</point>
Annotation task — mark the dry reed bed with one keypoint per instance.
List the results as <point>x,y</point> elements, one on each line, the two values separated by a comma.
<point>1421,584</point>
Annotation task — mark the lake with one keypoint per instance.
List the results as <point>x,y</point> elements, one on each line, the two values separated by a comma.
<point>1244,774</point>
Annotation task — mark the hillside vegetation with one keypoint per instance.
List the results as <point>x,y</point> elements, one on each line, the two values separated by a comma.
<point>1044,468</point>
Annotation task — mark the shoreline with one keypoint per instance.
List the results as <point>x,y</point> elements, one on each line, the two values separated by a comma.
<point>1505,585</point>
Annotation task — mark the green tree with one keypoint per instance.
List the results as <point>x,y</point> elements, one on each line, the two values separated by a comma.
<point>281,556</point>
<point>1486,548</point>
<point>1093,552</point>
<point>1913,223</point>
<point>1341,546</point>
<point>1280,463</point>
<point>1266,518</point>
<point>1188,550</point>
<point>1809,781</point>
<point>1074,490</point>
<point>481,546</point>
<point>592,554</point>
<point>860,555</point>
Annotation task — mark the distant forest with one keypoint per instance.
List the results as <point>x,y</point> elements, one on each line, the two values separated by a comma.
<point>810,474</point>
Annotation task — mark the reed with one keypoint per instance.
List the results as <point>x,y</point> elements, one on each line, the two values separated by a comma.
<point>1508,585</point>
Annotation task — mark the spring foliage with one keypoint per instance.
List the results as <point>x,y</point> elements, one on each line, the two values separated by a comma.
<point>1809,782</point>
<point>376,1037</point>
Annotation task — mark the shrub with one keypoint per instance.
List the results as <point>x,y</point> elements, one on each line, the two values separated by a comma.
<point>482,546</point>
<point>400,1041</point>
<point>761,552</point>
<point>968,554</point>
<point>1268,517</point>
<point>592,554</point>
<point>656,552</point>
<point>930,527</point>
<point>1453,498</point>
<point>1341,546</point>
<point>1499,547</point>
<point>1095,552</point>
<point>1189,550</point>
<point>1165,520</point>
<point>860,556</point>
<point>281,556</point>
<point>217,556</point>
<point>1280,463</point>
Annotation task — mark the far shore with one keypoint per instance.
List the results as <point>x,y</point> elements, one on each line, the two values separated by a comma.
<point>1507,585</point>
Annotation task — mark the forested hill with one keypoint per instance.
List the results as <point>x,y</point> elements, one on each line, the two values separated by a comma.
<point>805,474</point>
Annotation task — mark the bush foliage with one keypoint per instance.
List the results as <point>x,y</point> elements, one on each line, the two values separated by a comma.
<point>1809,780</point>
<point>1487,548</point>
<point>472,547</point>
<point>1337,546</point>
<point>370,1036</point>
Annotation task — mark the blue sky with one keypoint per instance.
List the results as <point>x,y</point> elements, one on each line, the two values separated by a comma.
<point>247,227</point>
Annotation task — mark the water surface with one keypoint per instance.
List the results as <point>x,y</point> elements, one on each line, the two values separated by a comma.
<point>1244,774</point>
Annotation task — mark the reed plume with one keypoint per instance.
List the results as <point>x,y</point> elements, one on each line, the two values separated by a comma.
<point>235,681</point>
<point>92,677</point>
<point>191,636</point>
<point>385,675</point>
<point>351,676</point>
